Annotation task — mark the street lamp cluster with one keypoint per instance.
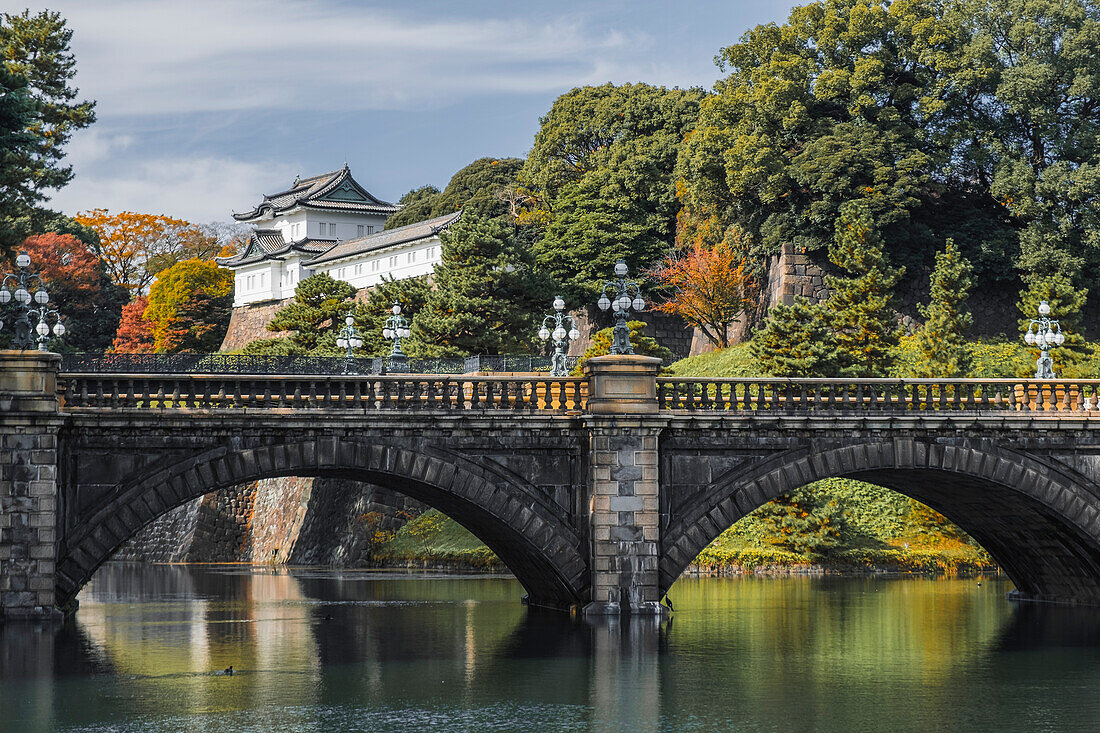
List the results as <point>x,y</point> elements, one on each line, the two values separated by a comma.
<point>626,295</point>
<point>18,286</point>
<point>554,326</point>
<point>396,329</point>
<point>1044,334</point>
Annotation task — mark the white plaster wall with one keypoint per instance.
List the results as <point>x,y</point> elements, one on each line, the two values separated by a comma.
<point>276,279</point>
<point>253,283</point>
<point>347,225</point>
<point>410,260</point>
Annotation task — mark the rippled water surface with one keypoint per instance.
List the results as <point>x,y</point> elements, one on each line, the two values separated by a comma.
<point>321,651</point>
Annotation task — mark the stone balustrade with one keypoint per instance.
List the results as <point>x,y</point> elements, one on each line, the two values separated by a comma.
<point>346,392</point>
<point>878,395</point>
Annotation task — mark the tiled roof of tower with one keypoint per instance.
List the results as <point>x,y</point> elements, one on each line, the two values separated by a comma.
<point>386,238</point>
<point>336,191</point>
<point>266,244</point>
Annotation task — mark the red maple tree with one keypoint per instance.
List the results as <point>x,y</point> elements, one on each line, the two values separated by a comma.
<point>135,334</point>
<point>712,288</point>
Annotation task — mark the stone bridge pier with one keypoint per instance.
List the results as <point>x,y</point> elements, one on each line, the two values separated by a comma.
<point>29,426</point>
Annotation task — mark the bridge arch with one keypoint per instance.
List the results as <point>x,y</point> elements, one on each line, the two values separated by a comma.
<point>521,526</point>
<point>1039,520</point>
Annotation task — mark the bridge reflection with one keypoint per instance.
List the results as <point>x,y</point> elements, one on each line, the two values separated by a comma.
<point>147,639</point>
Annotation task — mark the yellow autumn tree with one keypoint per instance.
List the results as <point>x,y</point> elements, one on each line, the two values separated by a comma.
<point>189,307</point>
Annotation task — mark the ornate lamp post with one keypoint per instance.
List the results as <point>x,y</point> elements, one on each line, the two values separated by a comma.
<point>1044,334</point>
<point>18,286</point>
<point>558,321</point>
<point>349,338</point>
<point>626,295</point>
<point>397,328</point>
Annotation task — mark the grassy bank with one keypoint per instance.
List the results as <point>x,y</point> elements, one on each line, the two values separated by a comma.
<point>434,539</point>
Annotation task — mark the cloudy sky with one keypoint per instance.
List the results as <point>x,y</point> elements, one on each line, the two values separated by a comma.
<point>205,104</point>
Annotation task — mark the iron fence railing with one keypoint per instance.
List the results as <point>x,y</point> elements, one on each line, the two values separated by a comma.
<point>264,364</point>
<point>330,392</point>
<point>877,395</point>
<point>496,363</point>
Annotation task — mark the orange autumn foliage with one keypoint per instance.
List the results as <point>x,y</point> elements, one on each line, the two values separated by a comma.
<point>135,247</point>
<point>712,288</point>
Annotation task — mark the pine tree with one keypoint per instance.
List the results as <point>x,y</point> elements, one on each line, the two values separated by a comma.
<point>370,317</point>
<point>940,341</point>
<point>486,296</point>
<point>316,314</point>
<point>803,522</point>
<point>1066,304</point>
<point>861,311</point>
<point>797,342</point>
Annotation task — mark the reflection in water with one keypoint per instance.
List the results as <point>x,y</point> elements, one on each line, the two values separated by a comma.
<point>318,650</point>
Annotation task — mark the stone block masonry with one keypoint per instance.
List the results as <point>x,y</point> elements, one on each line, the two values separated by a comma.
<point>624,491</point>
<point>289,519</point>
<point>28,485</point>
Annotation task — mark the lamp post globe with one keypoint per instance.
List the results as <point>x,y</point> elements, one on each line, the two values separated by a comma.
<point>395,329</point>
<point>349,339</point>
<point>561,328</point>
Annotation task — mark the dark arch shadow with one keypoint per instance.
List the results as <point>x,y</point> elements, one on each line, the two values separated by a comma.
<point>1039,521</point>
<point>526,531</point>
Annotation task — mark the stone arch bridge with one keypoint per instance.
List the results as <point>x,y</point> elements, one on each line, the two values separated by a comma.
<point>596,492</point>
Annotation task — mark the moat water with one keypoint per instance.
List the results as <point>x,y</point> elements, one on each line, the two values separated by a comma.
<point>365,651</point>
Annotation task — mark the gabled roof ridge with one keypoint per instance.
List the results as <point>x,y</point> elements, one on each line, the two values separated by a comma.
<point>308,192</point>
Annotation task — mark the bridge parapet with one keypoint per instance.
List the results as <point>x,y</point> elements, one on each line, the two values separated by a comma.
<point>878,395</point>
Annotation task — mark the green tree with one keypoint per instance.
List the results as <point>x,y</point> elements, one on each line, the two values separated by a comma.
<point>943,350</point>
<point>313,318</point>
<point>796,342</point>
<point>1039,118</point>
<point>860,309</point>
<point>1067,304</point>
<point>37,117</point>
<point>477,189</point>
<point>485,296</point>
<point>803,521</point>
<point>370,316</point>
<point>832,105</point>
<point>22,158</point>
<point>601,345</point>
<point>36,47</point>
<point>189,307</point>
<point>600,180</point>
<point>416,205</point>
